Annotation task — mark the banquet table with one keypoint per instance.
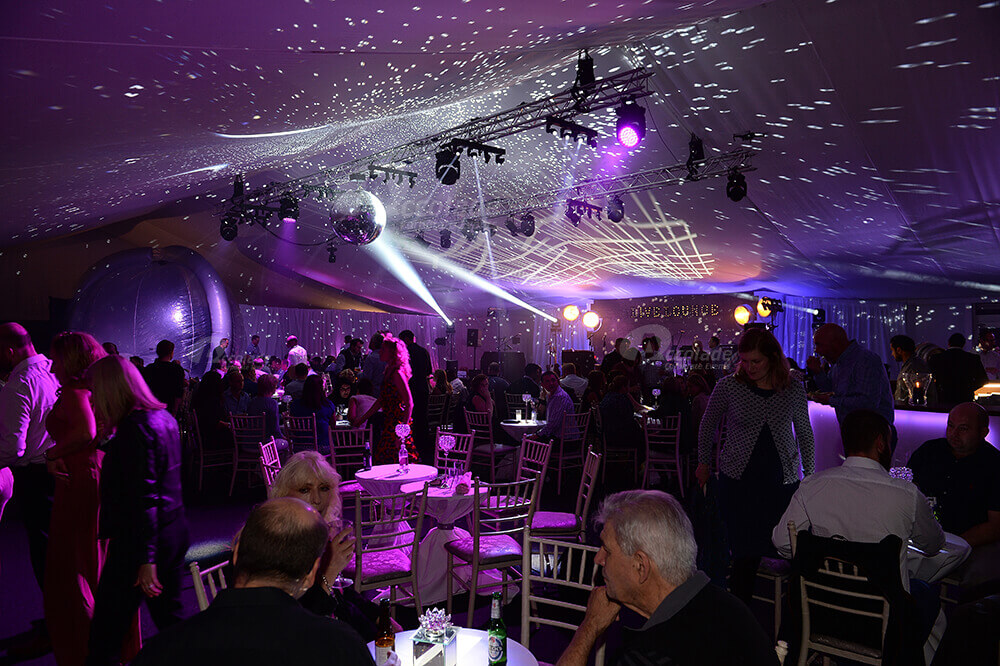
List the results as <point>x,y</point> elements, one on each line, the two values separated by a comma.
<point>472,646</point>
<point>518,429</point>
<point>432,561</point>
<point>935,567</point>
<point>388,480</point>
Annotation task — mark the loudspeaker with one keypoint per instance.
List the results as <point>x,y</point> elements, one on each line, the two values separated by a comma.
<point>472,337</point>
<point>583,360</point>
<point>511,365</point>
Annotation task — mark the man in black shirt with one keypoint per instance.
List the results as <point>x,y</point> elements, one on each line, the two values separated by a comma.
<point>420,389</point>
<point>529,383</point>
<point>961,471</point>
<point>165,378</point>
<point>957,373</point>
<point>648,558</point>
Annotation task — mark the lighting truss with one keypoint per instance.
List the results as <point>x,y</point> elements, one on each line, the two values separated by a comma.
<point>675,174</point>
<point>374,170</point>
<point>571,129</point>
<point>604,94</point>
<point>475,149</point>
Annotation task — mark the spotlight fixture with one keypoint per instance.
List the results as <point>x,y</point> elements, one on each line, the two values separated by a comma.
<point>572,215</point>
<point>445,239</point>
<point>736,186</point>
<point>742,314</point>
<point>475,149</point>
<point>696,153</point>
<point>472,228</point>
<point>764,307</point>
<point>229,228</point>
<point>591,320</point>
<point>615,208</point>
<point>571,313</point>
<point>289,208</point>
<point>374,169</point>
<point>448,167</point>
<point>575,209</point>
<point>239,188</point>
<point>511,225</point>
<point>750,136</point>
<point>527,224</point>
<point>818,318</point>
<point>567,128</point>
<point>331,254</point>
<point>631,126</point>
<point>584,82</point>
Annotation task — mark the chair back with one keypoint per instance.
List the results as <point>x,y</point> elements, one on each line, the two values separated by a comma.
<point>587,481</point>
<point>514,401</point>
<point>562,573</point>
<point>663,435</point>
<point>300,431</point>
<point>270,463</point>
<point>503,509</point>
<point>459,458</point>
<point>534,460</point>
<point>214,576</point>
<point>248,431</point>
<point>480,427</point>
<point>437,407</point>
<point>574,429</point>
<point>347,449</point>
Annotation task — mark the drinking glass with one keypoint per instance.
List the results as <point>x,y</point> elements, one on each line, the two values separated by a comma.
<point>341,582</point>
<point>446,443</point>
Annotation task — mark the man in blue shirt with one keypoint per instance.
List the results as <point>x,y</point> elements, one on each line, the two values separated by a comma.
<point>857,380</point>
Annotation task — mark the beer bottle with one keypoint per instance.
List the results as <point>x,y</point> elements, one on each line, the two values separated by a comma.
<point>497,633</point>
<point>385,637</point>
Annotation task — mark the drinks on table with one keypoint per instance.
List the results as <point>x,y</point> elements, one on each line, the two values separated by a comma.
<point>497,634</point>
<point>385,638</point>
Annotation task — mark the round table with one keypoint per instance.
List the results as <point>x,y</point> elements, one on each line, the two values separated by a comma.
<point>518,429</point>
<point>388,480</point>
<point>472,646</point>
<point>432,561</point>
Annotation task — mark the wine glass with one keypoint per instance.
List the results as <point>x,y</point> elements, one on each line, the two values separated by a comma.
<point>526,397</point>
<point>446,443</point>
<point>341,582</point>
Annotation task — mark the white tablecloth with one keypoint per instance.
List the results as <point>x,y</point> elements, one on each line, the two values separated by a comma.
<point>518,429</point>
<point>472,646</point>
<point>387,480</point>
<point>934,568</point>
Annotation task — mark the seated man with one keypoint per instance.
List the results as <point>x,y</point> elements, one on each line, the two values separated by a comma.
<point>961,471</point>
<point>298,375</point>
<point>648,558</point>
<point>859,501</point>
<point>528,384</point>
<point>552,405</point>
<point>234,399</point>
<point>259,620</point>
<point>571,381</point>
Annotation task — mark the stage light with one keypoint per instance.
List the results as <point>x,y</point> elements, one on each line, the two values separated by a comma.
<point>571,313</point>
<point>696,153</point>
<point>573,216</point>
<point>332,254</point>
<point>289,208</point>
<point>631,126</point>
<point>819,318</point>
<point>764,307</point>
<point>584,82</point>
<point>472,229</point>
<point>591,320</point>
<point>448,167</point>
<point>615,208</point>
<point>229,229</point>
<point>736,187</point>
<point>445,239</point>
<point>527,224</point>
<point>566,128</point>
<point>239,188</point>
<point>742,314</point>
<point>512,225</point>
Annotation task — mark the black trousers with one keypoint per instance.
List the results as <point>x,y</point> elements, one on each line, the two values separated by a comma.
<point>118,597</point>
<point>34,488</point>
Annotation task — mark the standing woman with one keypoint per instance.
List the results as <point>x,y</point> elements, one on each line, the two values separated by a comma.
<point>395,401</point>
<point>75,555</point>
<point>760,462</point>
<point>142,510</point>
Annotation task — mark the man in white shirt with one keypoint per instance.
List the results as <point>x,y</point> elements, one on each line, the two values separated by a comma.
<point>989,355</point>
<point>25,402</point>
<point>296,353</point>
<point>571,380</point>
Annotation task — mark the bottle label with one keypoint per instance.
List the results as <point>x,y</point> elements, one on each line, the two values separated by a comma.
<point>497,648</point>
<point>382,655</point>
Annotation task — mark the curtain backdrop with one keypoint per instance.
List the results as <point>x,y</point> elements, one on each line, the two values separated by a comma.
<point>322,332</point>
<point>547,346</point>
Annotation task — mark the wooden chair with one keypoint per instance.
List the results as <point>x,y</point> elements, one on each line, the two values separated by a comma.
<point>459,458</point>
<point>497,537</point>
<point>270,463</point>
<point>437,409</point>
<point>562,582</point>
<point>483,444</point>
<point>347,455</point>
<point>248,432</point>
<point>614,454</point>
<point>533,463</point>
<point>776,573</point>
<point>216,577</point>
<point>663,449</point>
<point>568,448</point>
<point>563,525</point>
<point>209,457</point>
<point>514,401</point>
<point>387,542</point>
<point>300,431</point>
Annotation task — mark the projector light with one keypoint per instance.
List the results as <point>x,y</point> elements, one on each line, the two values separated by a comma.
<point>571,313</point>
<point>631,126</point>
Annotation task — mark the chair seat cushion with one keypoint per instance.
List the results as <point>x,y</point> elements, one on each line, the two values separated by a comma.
<point>209,552</point>
<point>774,567</point>
<point>499,449</point>
<point>545,522</point>
<point>350,486</point>
<point>845,645</point>
<point>381,565</point>
<point>492,549</point>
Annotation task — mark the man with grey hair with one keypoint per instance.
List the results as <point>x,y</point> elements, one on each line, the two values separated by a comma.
<point>648,557</point>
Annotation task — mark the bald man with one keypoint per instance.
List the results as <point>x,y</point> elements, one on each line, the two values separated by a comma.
<point>259,620</point>
<point>961,471</point>
<point>857,380</point>
<point>25,402</point>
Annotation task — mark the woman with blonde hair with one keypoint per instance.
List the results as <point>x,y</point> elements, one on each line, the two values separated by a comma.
<point>309,477</point>
<point>396,403</point>
<point>142,511</point>
<point>761,462</point>
<point>75,555</point>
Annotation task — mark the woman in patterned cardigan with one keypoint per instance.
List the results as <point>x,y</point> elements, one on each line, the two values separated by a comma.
<point>760,463</point>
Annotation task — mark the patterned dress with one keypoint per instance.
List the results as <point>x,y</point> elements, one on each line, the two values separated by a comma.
<point>387,447</point>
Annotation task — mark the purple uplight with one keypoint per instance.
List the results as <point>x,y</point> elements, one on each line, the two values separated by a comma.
<point>289,220</point>
<point>628,136</point>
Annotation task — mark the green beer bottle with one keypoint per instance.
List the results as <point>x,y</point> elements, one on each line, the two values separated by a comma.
<point>497,634</point>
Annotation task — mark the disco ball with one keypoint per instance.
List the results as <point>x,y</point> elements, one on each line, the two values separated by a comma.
<point>357,217</point>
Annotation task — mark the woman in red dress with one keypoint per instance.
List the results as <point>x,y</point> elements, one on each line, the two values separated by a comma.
<point>395,401</point>
<point>75,555</point>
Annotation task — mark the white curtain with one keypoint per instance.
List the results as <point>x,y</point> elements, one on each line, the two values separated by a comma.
<point>547,345</point>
